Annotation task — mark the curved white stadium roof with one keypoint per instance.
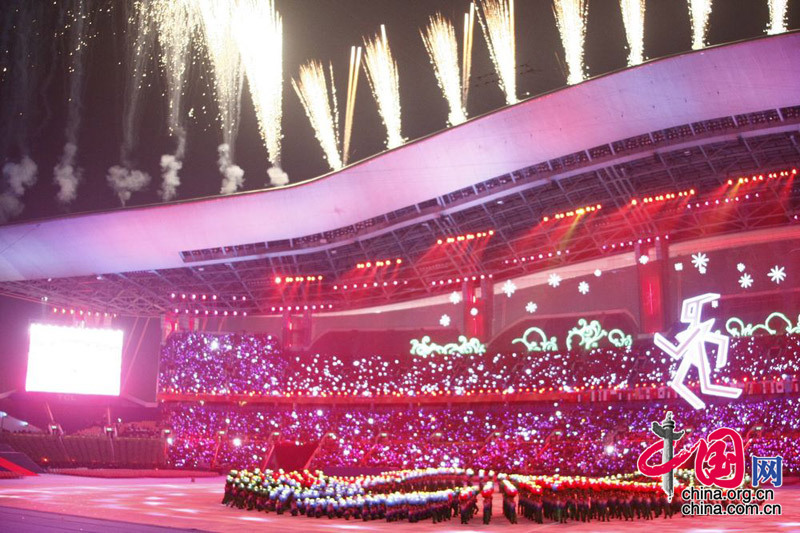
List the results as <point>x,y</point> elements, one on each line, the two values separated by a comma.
<point>727,80</point>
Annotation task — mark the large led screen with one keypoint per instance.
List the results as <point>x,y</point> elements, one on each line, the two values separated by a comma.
<point>74,360</point>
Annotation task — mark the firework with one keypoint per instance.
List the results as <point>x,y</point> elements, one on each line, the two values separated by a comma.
<point>66,174</point>
<point>258,31</point>
<point>320,105</point>
<point>777,16</point>
<point>226,66</point>
<point>497,22</point>
<point>440,42</point>
<point>384,81</point>
<point>141,36</point>
<point>352,86</point>
<point>633,17</point>
<point>140,39</point>
<point>466,58</point>
<point>571,20</point>
<point>699,11</point>
<point>177,22</point>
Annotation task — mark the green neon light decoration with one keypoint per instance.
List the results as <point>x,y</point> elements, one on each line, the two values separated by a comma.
<point>620,339</point>
<point>464,346</point>
<point>542,345</point>
<point>737,328</point>
<point>589,336</point>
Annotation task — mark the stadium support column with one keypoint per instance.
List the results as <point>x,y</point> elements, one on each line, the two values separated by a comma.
<point>296,331</point>
<point>478,309</point>
<point>652,277</point>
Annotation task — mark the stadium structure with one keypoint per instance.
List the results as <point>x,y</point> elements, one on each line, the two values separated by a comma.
<point>465,301</point>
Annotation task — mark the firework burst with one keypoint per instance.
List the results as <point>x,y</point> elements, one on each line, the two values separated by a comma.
<point>699,11</point>
<point>440,42</point>
<point>321,107</point>
<point>571,20</point>
<point>633,17</point>
<point>497,22</point>
<point>384,81</point>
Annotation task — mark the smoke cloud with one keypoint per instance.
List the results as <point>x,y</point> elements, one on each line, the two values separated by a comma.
<point>66,175</point>
<point>19,176</point>
<point>10,207</point>
<point>125,181</point>
<point>232,175</point>
<point>170,165</point>
<point>277,177</point>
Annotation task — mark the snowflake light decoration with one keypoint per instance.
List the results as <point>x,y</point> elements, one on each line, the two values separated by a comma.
<point>746,281</point>
<point>777,274</point>
<point>444,321</point>
<point>700,262</point>
<point>455,297</point>
<point>583,287</point>
<point>531,307</point>
<point>598,273</point>
<point>740,267</point>
<point>643,259</point>
<point>678,267</point>
<point>509,288</point>
<point>554,280</point>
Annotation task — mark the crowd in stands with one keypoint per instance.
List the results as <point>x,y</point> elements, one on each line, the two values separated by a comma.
<point>197,363</point>
<point>599,439</point>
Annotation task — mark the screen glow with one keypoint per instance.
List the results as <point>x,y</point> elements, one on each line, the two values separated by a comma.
<point>74,360</point>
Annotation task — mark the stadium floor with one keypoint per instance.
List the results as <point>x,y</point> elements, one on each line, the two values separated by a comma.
<point>41,503</point>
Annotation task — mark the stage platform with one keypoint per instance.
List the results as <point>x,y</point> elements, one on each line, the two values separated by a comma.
<point>53,502</point>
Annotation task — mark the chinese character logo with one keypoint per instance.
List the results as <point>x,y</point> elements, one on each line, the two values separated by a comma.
<point>767,470</point>
<point>690,350</point>
<point>666,431</point>
<point>714,462</point>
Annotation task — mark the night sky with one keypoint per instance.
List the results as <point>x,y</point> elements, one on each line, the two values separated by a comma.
<point>313,29</point>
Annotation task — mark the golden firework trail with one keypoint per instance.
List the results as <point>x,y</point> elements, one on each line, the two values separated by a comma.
<point>320,106</point>
<point>440,42</point>
<point>633,17</point>
<point>497,22</point>
<point>140,43</point>
<point>777,16</point>
<point>177,22</point>
<point>571,20</point>
<point>258,32</point>
<point>384,81</point>
<point>466,57</point>
<point>352,87</point>
<point>699,11</point>
<point>226,64</point>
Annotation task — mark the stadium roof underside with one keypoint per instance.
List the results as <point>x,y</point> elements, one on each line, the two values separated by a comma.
<point>686,122</point>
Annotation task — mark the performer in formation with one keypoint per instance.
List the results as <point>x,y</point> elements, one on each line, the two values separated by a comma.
<point>584,499</point>
<point>440,494</point>
<point>487,493</point>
